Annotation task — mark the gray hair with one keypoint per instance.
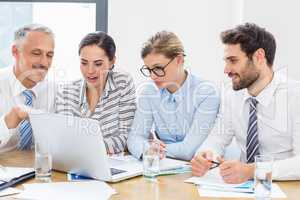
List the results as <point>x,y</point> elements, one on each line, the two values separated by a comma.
<point>22,32</point>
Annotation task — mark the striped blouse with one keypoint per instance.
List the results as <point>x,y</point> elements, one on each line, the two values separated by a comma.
<point>114,111</point>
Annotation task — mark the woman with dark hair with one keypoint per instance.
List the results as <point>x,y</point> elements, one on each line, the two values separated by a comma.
<point>103,94</point>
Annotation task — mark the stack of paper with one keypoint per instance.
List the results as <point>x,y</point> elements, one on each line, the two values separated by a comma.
<point>212,185</point>
<point>9,173</point>
<point>183,169</point>
<point>130,163</point>
<point>9,191</point>
<point>204,192</point>
<point>92,190</point>
<point>213,180</point>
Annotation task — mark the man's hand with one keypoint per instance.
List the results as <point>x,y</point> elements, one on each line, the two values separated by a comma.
<point>233,171</point>
<point>201,163</point>
<point>14,117</point>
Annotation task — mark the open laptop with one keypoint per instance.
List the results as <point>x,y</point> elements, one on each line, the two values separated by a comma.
<point>76,146</point>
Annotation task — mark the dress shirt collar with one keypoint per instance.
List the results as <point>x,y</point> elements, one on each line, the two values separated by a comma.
<point>109,86</point>
<point>17,87</point>
<point>265,97</point>
<point>179,95</point>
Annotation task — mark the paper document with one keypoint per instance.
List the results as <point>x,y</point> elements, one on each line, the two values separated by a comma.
<point>128,162</point>
<point>9,191</point>
<point>212,185</point>
<point>184,169</point>
<point>214,179</point>
<point>92,190</point>
<point>8,173</point>
<point>206,192</point>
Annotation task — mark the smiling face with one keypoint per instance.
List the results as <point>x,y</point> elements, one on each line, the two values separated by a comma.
<point>94,65</point>
<point>33,57</point>
<point>173,70</point>
<point>242,71</point>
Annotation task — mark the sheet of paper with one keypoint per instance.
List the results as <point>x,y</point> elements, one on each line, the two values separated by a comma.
<point>204,192</point>
<point>92,190</point>
<point>181,170</point>
<point>9,191</point>
<point>128,162</point>
<point>212,178</point>
<point>8,173</point>
<point>171,164</point>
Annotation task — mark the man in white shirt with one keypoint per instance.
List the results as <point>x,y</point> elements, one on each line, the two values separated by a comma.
<point>24,84</point>
<point>262,111</point>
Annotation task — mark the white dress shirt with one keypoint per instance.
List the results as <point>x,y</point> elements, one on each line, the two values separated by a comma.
<point>11,95</point>
<point>278,113</point>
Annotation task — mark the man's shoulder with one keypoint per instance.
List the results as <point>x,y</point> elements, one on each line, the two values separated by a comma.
<point>4,79</point>
<point>4,73</point>
<point>229,93</point>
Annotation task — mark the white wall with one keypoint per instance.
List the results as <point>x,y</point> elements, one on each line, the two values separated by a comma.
<point>197,22</point>
<point>65,66</point>
<point>281,18</point>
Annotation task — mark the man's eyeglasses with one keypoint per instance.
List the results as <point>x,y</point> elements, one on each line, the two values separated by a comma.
<point>158,70</point>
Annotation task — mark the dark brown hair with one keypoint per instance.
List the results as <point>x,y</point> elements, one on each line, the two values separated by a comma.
<point>102,40</point>
<point>251,37</point>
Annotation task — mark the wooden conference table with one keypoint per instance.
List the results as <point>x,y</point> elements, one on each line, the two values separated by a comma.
<point>166,188</point>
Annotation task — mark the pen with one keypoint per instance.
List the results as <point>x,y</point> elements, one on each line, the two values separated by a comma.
<point>155,137</point>
<point>216,164</point>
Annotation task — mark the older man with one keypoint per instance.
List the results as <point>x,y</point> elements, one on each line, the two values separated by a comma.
<point>24,84</point>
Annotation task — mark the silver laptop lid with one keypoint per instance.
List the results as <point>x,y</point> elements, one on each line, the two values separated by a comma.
<point>76,144</point>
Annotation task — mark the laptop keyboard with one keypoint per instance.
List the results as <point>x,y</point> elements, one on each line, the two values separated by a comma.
<point>115,171</point>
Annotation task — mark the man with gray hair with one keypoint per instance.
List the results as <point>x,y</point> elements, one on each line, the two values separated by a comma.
<point>23,84</point>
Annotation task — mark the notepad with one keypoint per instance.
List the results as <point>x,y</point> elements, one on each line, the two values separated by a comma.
<point>212,185</point>
<point>210,192</point>
<point>213,179</point>
<point>181,170</point>
<point>10,176</point>
<point>8,173</point>
<point>9,191</point>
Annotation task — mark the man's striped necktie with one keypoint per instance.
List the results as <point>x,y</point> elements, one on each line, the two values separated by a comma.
<point>25,129</point>
<point>252,145</point>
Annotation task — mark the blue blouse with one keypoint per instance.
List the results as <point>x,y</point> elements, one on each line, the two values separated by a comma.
<point>182,120</point>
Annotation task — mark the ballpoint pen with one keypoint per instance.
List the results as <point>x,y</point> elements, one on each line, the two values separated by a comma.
<point>155,137</point>
<point>216,164</point>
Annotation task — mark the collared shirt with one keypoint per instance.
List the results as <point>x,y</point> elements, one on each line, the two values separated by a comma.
<point>182,120</point>
<point>278,113</point>
<point>114,110</point>
<point>11,95</point>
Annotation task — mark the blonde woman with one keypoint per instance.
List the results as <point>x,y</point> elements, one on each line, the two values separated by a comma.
<point>176,108</point>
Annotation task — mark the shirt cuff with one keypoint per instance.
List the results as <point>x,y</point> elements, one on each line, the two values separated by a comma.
<point>287,169</point>
<point>135,148</point>
<point>173,150</point>
<point>4,132</point>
